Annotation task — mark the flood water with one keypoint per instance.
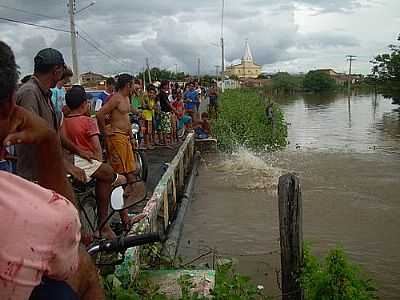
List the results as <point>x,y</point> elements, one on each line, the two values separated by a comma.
<point>347,156</point>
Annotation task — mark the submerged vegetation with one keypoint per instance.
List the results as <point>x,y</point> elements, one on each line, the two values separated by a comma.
<point>334,278</point>
<point>243,121</point>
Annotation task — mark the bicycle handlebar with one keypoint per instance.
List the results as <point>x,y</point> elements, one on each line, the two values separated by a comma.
<point>123,243</point>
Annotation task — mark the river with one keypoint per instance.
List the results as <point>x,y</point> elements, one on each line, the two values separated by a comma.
<point>347,156</point>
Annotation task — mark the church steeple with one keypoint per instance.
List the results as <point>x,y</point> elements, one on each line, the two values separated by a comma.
<point>247,53</point>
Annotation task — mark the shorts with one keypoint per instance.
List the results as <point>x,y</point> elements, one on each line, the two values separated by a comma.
<point>200,133</point>
<point>120,154</point>
<point>165,122</point>
<point>51,289</point>
<point>214,101</point>
<point>5,165</point>
<point>89,167</point>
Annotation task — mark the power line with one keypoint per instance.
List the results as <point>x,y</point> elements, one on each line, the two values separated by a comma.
<point>28,12</point>
<point>100,50</point>
<point>80,29</point>
<point>35,25</point>
<point>89,40</point>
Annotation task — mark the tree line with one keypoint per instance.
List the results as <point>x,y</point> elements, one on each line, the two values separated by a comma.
<point>385,76</point>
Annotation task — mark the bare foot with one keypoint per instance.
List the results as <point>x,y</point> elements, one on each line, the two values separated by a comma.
<point>108,233</point>
<point>129,221</point>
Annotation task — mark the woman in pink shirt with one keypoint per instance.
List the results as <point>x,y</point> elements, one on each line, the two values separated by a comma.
<point>39,225</point>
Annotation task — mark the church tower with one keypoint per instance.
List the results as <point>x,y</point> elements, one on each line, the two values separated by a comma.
<point>247,53</point>
<point>247,68</point>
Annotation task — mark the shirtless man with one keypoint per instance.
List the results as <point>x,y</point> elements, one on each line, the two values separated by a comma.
<point>119,136</point>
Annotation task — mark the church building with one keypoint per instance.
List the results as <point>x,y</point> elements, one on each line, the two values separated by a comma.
<point>247,68</point>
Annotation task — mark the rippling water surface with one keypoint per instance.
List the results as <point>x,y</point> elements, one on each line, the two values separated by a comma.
<point>347,155</point>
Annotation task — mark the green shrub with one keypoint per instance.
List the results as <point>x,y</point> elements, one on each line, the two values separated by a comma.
<point>242,122</point>
<point>334,279</point>
<point>318,81</point>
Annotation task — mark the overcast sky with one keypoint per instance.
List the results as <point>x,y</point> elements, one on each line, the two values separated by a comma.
<point>285,35</point>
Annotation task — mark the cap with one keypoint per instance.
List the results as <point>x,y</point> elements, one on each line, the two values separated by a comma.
<point>49,56</point>
<point>75,96</point>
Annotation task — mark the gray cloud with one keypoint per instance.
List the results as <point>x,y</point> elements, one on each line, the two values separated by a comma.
<point>173,32</point>
<point>326,39</point>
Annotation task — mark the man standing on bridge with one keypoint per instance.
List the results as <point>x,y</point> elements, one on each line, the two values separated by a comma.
<point>119,137</point>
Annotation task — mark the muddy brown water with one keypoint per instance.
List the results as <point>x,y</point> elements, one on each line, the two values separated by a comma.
<point>347,156</point>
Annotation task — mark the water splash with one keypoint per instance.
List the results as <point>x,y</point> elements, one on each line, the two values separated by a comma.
<point>247,170</point>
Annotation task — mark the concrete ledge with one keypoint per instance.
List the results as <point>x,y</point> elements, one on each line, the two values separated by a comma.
<point>206,145</point>
<point>161,207</point>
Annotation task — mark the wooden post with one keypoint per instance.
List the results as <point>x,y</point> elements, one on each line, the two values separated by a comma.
<point>166,207</point>
<point>291,235</point>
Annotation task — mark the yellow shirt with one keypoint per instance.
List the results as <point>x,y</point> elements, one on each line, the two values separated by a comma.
<point>149,112</point>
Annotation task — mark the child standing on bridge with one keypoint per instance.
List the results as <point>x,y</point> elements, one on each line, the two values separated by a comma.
<point>149,104</point>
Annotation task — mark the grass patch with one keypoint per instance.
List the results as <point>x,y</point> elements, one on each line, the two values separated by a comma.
<point>242,121</point>
<point>229,285</point>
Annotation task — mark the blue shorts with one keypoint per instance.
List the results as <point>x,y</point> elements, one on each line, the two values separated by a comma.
<point>5,165</point>
<point>50,289</point>
<point>200,133</point>
<point>190,106</point>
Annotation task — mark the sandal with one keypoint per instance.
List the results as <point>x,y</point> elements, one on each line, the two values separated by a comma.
<point>119,180</point>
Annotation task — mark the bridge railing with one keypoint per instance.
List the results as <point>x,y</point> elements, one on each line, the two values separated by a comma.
<point>161,207</point>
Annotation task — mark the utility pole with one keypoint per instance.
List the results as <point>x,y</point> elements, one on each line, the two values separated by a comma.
<point>75,69</point>
<point>222,48</point>
<point>176,72</point>
<point>148,70</point>
<point>350,58</point>
<point>144,79</point>
<point>217,72</point>
<point>198,70</point>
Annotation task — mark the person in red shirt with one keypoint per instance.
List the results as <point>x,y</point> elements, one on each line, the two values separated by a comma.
<point>179,106</point>
<point>83,132</point>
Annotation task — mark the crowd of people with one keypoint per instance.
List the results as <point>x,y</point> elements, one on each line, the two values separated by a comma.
<point>47,134</point>
<point>164,111</point>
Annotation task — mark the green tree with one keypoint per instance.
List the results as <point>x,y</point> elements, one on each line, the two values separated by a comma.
<point>162,74</point>
<point>263,76</point>
<point>386,70</point>
<point>285,83</point>
<point>318,81</point>
<point>207,79</point>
